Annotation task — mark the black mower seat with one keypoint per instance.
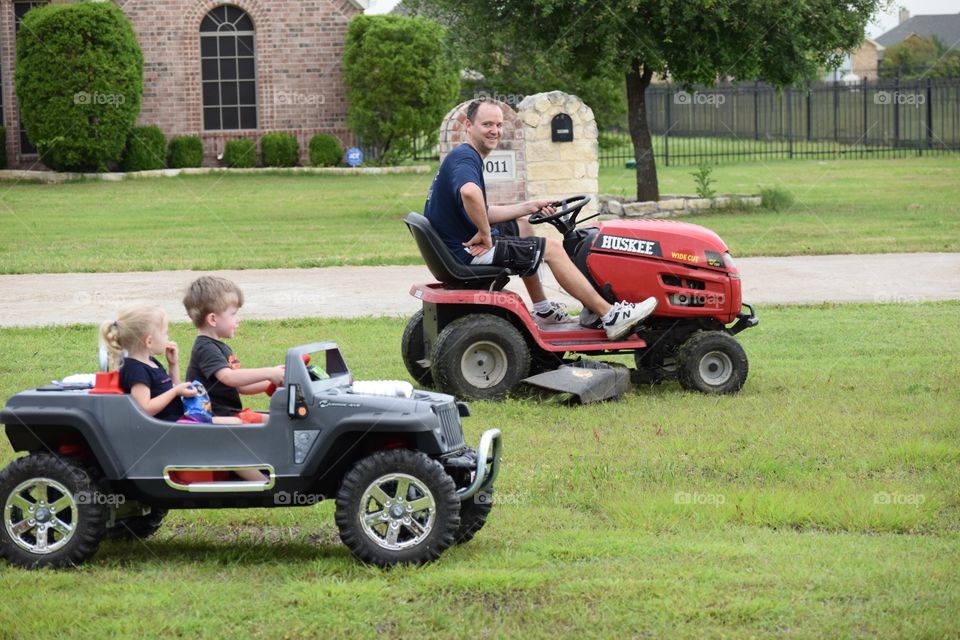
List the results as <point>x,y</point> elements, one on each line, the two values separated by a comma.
<point>447,269</point>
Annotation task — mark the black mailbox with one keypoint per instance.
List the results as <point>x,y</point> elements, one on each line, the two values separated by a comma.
<point>561,128</point>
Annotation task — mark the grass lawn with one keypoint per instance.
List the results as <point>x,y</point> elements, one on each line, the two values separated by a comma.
<point>822,501</point>
<point>270,221</point>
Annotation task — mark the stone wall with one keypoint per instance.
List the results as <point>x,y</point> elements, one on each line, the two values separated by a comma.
<point>560,169</point>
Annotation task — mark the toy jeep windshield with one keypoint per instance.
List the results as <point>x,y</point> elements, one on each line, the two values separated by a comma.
<point>406,484</point>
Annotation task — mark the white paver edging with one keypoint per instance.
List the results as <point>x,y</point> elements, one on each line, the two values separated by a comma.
<point>54,177</point>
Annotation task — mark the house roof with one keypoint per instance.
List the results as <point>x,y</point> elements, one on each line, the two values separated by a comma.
<point>945,26</point>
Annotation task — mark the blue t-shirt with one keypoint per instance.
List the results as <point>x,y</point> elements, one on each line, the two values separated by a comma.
<point>444,207</point>
<point>157,379</point>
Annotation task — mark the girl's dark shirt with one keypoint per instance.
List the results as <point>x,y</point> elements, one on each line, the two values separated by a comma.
<point>157,380</point>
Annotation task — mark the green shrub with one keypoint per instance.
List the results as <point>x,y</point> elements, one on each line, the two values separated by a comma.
<point>401,80</point>
<point>702,177</point>
<point>146,149</point>
<point>240,154</point>
<point>279,149</point>
<point>775,198</point>
<point>79,80</point>
<point>325,150</point>
<point>3,147</point>
<point>185,152</point>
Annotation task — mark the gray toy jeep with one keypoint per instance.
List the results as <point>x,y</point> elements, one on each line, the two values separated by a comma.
<point>406,485</point>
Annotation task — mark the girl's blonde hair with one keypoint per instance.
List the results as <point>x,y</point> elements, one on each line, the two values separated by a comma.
<point>131,327</point>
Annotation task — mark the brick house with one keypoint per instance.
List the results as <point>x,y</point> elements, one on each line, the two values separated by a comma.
<point>219,70</point>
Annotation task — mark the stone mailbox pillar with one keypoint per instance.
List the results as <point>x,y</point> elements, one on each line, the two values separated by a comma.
<point>505,169</point>
<point>568,166</point>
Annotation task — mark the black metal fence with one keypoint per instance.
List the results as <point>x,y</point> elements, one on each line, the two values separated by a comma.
<point>754,121</point>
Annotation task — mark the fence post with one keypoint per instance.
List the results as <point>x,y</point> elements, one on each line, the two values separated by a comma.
<point>809,115</point>
<point>668,97</point>
<point>789,98</point>
<point>896,114</point>
<point>866,130</point>
<point>929,113</point>
<point>836,109</point>
<point>756,110</point>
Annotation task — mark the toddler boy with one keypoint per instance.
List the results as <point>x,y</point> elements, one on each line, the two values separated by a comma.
<point>213,304</point>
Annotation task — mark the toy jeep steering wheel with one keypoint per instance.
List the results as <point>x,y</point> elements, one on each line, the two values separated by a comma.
<point>569,209</point>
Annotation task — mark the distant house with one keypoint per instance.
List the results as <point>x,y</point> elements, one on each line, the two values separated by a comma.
<point>219,70</point>
<point>946,27</point>
<point>864,62</point>
<point>859,65</point>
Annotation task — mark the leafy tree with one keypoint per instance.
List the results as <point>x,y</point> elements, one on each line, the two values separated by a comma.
<point>694,41</point>
<point>917,58</point>
<point>79,80</point>
<point>401,80</point>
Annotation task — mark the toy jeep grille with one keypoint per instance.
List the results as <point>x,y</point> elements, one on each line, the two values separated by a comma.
<point>449,418</point>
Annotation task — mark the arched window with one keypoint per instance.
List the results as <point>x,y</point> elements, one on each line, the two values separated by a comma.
<point>228,70</point>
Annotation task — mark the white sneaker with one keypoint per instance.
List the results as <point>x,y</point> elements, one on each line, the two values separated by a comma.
<point>626,315</point>
<point>556,314</point>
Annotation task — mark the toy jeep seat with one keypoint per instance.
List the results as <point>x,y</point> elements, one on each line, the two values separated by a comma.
<point>447,269</point>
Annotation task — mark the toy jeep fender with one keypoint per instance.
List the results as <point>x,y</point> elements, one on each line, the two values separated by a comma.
<point>406,484</point>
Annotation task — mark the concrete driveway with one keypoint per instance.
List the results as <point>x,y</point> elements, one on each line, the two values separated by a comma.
<point>47,299</point>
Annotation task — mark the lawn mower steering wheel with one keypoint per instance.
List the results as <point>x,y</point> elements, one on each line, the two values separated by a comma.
<point>566,218</point>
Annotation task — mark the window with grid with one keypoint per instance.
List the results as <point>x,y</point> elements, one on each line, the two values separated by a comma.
<point>20,9</point>
<point>228,70</point>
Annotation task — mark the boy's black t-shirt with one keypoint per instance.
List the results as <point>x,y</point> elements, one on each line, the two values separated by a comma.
<point>157,379</point>
<point>207,357</point>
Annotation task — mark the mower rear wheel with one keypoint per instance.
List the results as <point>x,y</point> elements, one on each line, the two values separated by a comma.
<point>479,357</point>
<point>412,350</point>
<point>712,362</point>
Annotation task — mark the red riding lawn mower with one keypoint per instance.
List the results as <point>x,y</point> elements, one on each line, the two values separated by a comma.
<point>473,339</point>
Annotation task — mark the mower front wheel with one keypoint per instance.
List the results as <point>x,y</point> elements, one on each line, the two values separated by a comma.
<point>712,362</point>
<point>412,350</point>
<point>479,357</point>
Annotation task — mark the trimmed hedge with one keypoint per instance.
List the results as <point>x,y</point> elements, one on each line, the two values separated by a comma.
<point>240,154</point>
<point>146,150</point>
<point>185,152</point>
<point>401,78</point>
<point>325,150</point>
<point>79,80</point>
<point>279,149</point>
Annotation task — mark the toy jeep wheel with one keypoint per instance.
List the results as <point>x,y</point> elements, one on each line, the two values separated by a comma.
<point>397,506</point>
<point>473,515</point>
<point>412,350</point>
<point>480,357</point>
<point>712,362</point>
<point>52,516</point>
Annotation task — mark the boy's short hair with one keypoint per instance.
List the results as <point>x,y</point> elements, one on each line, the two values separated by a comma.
<point>210,294</point>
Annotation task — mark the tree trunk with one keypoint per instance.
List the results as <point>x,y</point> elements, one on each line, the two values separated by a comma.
<point>638,79</point>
